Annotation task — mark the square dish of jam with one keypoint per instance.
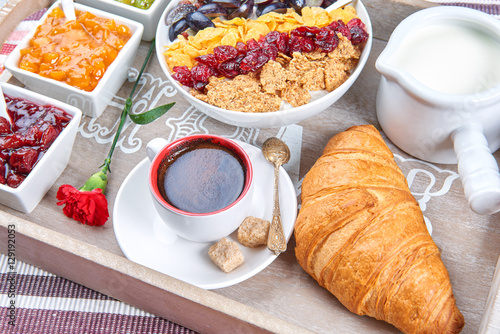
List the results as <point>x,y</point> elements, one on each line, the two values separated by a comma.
<point>82,62</point>
<point>35,145</point>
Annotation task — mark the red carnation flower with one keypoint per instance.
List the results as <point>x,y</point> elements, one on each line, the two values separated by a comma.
<point>87,207</point>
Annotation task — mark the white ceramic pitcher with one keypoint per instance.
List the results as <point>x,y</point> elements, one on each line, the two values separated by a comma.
<point>444,126</point>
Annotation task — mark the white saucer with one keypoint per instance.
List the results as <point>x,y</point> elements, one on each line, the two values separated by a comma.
<point>145,239</point>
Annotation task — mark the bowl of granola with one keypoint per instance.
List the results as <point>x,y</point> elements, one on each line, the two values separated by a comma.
<point>261,69</point>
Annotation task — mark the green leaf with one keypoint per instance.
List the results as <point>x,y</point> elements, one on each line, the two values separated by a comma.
<point>151,115</point>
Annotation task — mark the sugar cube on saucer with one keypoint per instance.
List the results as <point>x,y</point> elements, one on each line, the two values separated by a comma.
<point>253,232</point>
<point>226,255</point>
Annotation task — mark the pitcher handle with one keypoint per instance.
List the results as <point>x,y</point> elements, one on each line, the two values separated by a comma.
<point>478,169</point>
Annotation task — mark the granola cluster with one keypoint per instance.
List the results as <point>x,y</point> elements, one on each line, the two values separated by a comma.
<point>286,80</point>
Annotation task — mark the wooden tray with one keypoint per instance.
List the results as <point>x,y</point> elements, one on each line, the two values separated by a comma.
<point>281,298</point>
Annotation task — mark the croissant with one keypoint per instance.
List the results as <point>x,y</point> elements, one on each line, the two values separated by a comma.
<point>361,235</point>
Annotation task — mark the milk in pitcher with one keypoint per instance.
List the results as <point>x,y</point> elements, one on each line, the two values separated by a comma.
<point>451,57</point>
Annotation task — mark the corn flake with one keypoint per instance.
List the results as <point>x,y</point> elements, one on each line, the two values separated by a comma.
<point>255,30</point>
<point>346,14</point>
<point>177,58</point>
<point>231,38</point>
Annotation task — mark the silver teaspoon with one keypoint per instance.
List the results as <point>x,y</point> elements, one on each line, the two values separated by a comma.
<point>276,152</point>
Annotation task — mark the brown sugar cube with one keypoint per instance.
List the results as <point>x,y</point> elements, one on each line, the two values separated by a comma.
<point>226,255</point>
<point>253,232</point>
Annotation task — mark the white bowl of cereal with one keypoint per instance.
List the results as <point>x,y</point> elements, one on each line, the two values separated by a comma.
<point>283,91</point>
<point>83,62</point>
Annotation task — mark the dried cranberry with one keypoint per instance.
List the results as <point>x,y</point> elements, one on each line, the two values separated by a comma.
<point>229,68</point>
<point>229,61</point>
<point>270,51</point>
<point>201,73</point>
<point>14,180</point>
<point>358,35</point>
<point>216,72</point>
<point>305,31</point>
<point>208,59</point>
<point>341,27</point>
<point>334,25</point>
<point>199,85</point>
<point>225,52</point>
<point>242,48</point>
<point>326,40</point>
<point>252,44</point>
<point>5,126</point>
<point>295,33</point>
<point>356,22</point>
<point>294,44</point>
<point>282,43</point>
<point>253,61</point>
<point>307,44</point>
<point>183,75</point>
<point>272,37</point>
<point>23,159</point>
<point>262,42</point>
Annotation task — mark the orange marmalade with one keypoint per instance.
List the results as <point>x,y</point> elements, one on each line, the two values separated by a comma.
<point>76,52</point>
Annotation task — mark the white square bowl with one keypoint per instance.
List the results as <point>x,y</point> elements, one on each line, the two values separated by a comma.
<point>91,103</point>
<point>31,191</point>
<point>148,17</point>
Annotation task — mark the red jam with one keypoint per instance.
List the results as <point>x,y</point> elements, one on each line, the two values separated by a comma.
<point>23,143</point>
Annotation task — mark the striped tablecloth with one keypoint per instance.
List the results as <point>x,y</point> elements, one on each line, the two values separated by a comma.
<point>15,37</point>
<point>45,303</point>
<point>491,7</point>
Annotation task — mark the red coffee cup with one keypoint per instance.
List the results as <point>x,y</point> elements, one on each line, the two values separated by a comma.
<point>202,185</point>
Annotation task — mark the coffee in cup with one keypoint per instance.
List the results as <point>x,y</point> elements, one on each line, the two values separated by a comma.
<point>201,177</point>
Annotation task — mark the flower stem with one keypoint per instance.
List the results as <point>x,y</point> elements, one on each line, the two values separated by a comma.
<point>126,111</point>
